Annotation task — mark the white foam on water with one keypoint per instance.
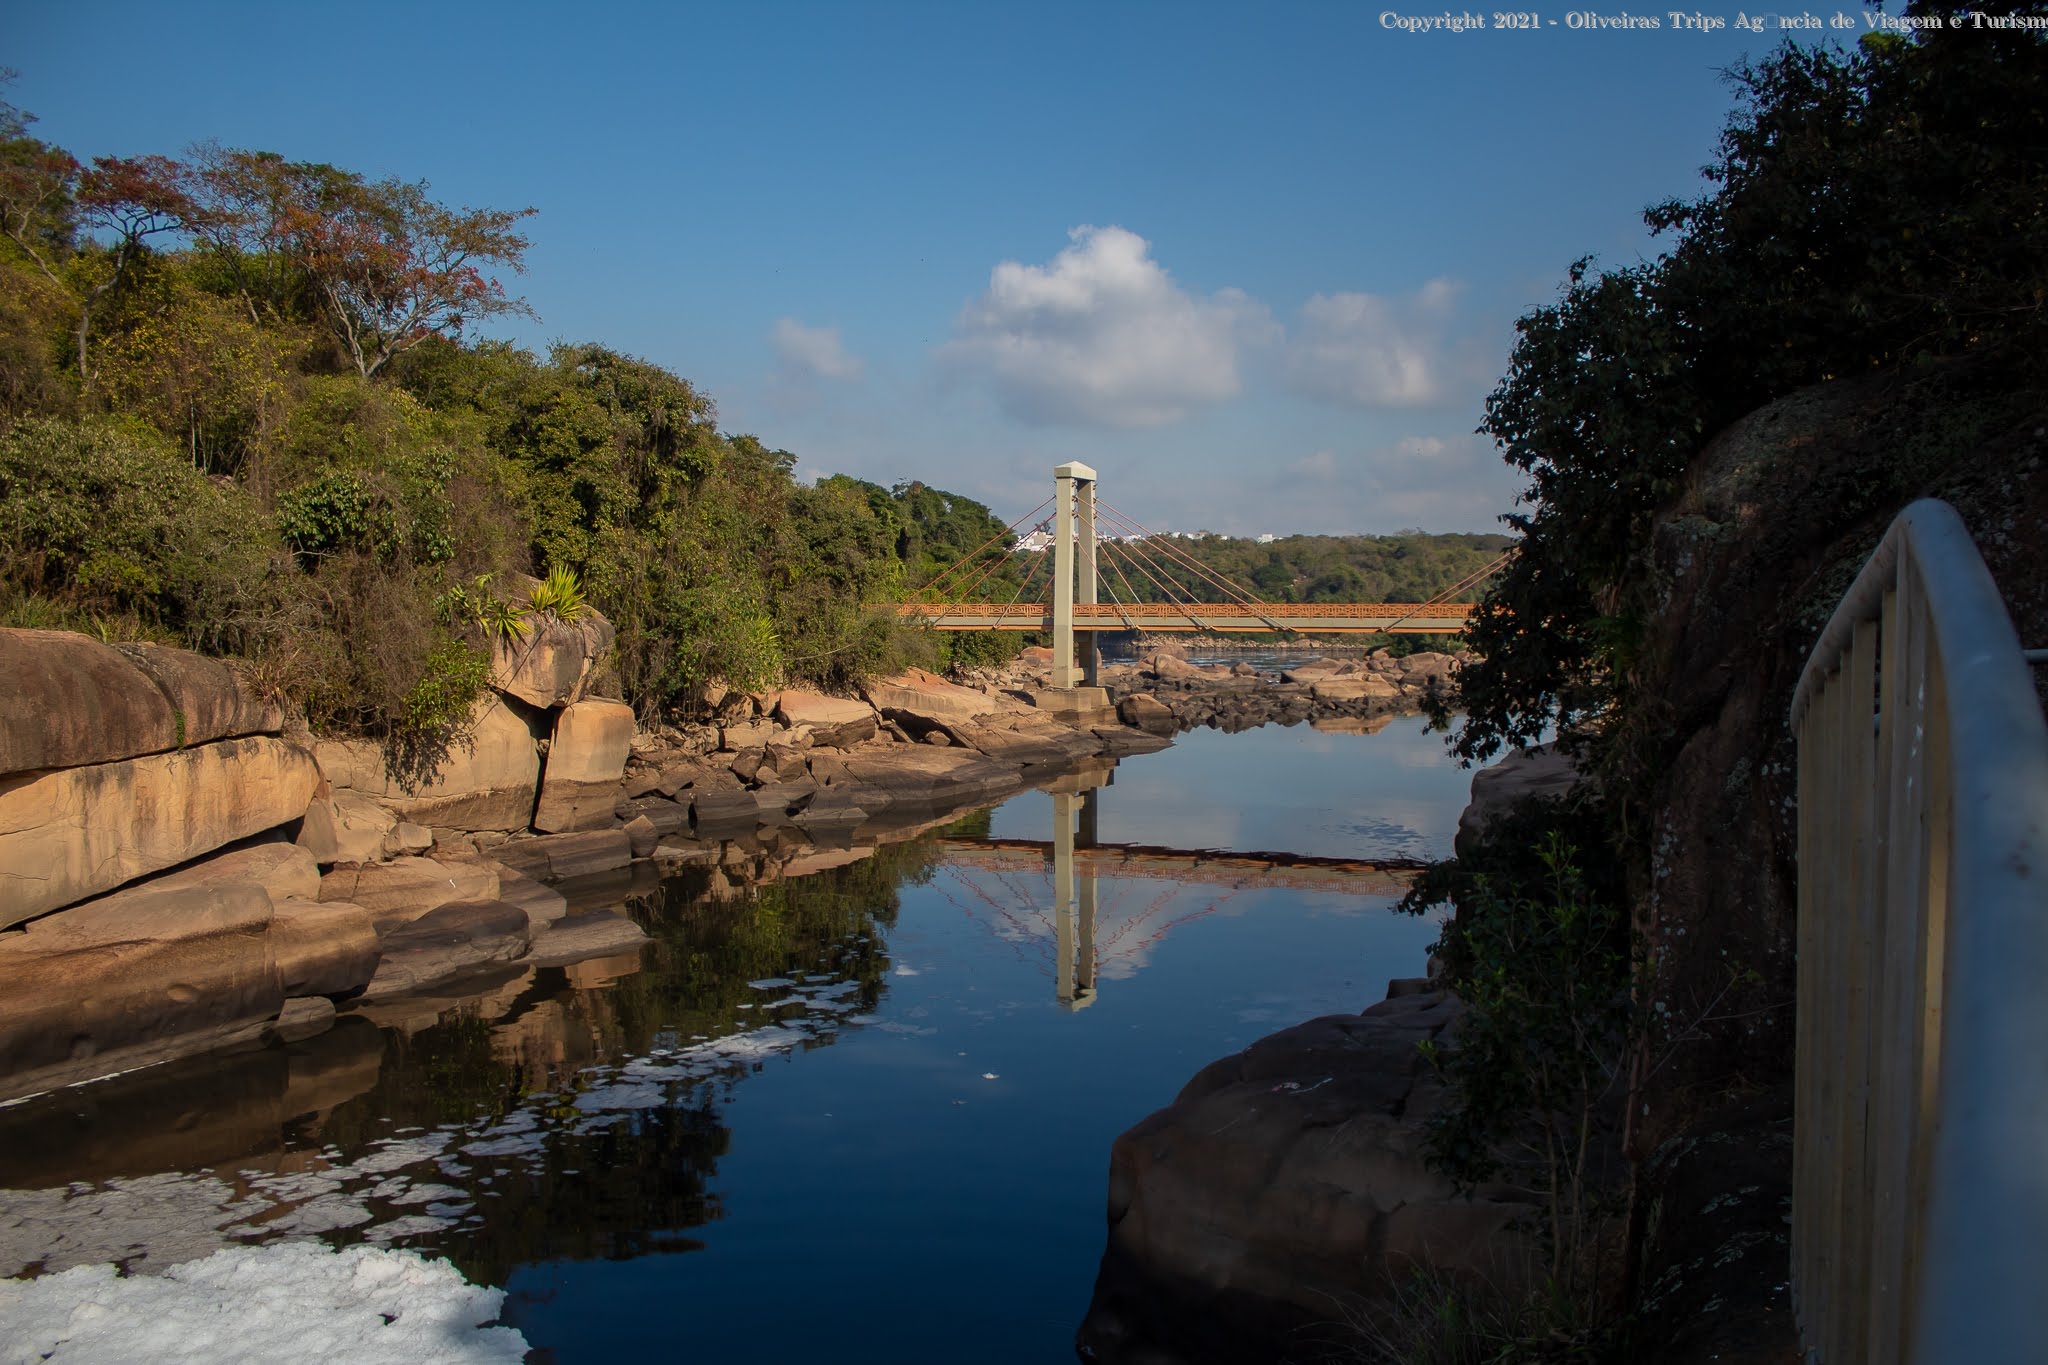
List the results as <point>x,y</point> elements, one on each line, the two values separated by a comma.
<point>292,1301</point>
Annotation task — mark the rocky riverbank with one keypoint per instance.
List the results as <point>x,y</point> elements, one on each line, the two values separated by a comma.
<point>1163,693</point>
<point>178,873</point>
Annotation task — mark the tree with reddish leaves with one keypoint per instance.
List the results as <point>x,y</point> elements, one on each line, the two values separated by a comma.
<point>130,199</point>
<point>388,266</point>
<point>394,268</point>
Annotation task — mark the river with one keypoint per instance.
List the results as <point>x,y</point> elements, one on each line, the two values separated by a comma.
<point>859,1115</point>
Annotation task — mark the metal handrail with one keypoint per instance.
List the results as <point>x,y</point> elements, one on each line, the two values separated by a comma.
<point>1920,1181</point>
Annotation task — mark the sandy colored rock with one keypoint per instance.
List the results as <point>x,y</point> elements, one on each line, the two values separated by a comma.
<point>553,664</point>
<point>927,699</point>
<point>135,979</point>
<point>1357,687</point>
<point>77,832</point>
<point>586,760</point>
<point>485,782</point>
<point>323,947</point>
<point>642,836</point>
<point>307,1016</point>
<point>745,735</point>
<point>403,890</point>
<point>209,696</point>
<point>445,942</point>
<point>67,700</point>
<point>1425,665</point>
<point>280,868</point>
<point>1147,712</point>
<point>838,722</point>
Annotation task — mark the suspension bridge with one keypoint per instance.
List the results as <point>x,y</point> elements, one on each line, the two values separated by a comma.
<point>1101,571</point>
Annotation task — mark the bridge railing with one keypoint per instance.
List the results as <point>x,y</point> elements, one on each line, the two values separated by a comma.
<point>1920,1182</point>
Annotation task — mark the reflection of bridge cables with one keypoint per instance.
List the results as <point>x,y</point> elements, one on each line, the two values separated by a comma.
<point>1470,580</point>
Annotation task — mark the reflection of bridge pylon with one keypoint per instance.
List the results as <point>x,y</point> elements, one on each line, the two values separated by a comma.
<point>1074,936</point>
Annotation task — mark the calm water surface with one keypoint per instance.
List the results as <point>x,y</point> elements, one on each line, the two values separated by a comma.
<point>840,1117</point>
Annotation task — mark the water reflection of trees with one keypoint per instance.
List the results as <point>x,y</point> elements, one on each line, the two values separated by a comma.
<point>632,1183</point>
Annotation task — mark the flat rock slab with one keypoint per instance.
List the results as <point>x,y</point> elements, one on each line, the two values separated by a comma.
<point>585,936</point>
<point>1284,1184</point>
<point>446,942</point>
<point>67,700</point>
<point>132,980</point>
<point>925,697</point>
<point>396,892</point>
<point>77,832</point>
<point>557,857</point>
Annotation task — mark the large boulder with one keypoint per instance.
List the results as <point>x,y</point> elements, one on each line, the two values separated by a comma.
<point>486,781</point>
<point>76,832</point>
<point>1285,1186</point>
<point>67,700</point>
<point>552,665</point>
<point>927,699</point>
<point>1540,771</point>
<point>136,978</point>
<point>586,761</point>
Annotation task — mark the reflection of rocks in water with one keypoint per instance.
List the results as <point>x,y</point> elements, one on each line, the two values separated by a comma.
<point>1351,725</point>
<point>201,1112</point>
<point>520,1113</point>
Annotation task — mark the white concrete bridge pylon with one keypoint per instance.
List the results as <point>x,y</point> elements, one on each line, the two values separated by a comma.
<point>1074,663</point>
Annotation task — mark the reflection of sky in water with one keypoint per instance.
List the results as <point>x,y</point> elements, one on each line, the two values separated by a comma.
<point>1291,789</point>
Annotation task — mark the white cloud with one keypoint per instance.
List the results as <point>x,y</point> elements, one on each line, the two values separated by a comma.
<point>814,351</point>
<point>1371,350</point>
<point>1101,336</point>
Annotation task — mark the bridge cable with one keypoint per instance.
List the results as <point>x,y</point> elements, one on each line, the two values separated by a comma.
<point>1164,583</point>
<point>1003,561</point>
<point>1229,588</point>
<point>1468,581</point>
<point>1009,530</point>
<point>1165,579</point>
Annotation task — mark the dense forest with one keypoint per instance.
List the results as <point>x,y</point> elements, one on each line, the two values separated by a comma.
<point>244,407</point>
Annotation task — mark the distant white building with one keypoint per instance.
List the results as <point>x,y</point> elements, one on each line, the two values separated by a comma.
<point>1036,541</point>
<point>1266,539</point>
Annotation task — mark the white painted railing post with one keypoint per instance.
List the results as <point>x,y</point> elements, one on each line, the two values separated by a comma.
<point>1920,1169</point>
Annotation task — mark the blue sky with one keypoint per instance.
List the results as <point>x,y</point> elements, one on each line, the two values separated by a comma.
<point>1258,265</point>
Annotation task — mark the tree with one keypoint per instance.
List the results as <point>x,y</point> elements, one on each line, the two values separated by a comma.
<point>134,199</point>
<point>388,266</point>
